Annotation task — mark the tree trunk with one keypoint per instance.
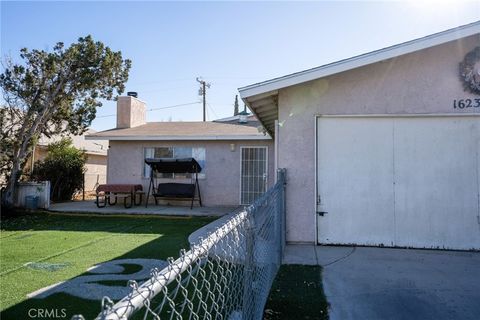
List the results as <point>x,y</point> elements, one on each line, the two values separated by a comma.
<point>9,196</point>
<point>23,153</point>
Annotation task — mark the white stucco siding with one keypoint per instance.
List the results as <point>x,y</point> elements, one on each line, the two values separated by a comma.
<point>221,186</point>
<point>424,82</point>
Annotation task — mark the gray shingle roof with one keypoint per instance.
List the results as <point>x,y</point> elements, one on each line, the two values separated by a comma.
<point>184,131</point>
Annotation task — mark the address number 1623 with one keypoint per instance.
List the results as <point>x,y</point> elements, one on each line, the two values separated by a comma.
<point>466,103</point>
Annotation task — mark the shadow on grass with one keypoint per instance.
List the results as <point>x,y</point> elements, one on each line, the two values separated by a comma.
<point>174,233</point>
<point>297,293</point>
<point>50,221</point>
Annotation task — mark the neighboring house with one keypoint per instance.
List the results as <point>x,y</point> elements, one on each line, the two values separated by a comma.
<point>236,157</point>
<point>96,164</point>
<point>381,149</point>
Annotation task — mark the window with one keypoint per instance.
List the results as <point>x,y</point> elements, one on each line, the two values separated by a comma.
<point>175,153</point>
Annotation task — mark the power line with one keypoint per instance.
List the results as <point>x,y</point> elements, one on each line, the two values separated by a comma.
<point>159,108</point>
<point>174,106</point>
<point>213,110</point>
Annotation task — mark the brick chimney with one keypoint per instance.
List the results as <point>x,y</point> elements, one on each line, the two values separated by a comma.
<point>130,112</point>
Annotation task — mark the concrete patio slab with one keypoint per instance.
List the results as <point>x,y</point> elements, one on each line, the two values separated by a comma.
<point>300,254</point>
<point>383,283</point>
<point>89,206</point>
<point>329,255</point>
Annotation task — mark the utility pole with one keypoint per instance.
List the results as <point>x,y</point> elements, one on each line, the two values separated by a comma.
<point>203,92</point>
<point>235,106</point>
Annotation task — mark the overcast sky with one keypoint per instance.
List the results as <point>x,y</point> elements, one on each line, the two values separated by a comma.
<point>229,44</point>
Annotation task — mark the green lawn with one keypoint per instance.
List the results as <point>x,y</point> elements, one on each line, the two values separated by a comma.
<point>70,244</point>
<point>297,293</point>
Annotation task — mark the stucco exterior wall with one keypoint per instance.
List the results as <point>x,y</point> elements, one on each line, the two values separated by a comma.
<point>221,185</point>
<point>95,167</point>
<point>96,171</point>
<point>424,82</point>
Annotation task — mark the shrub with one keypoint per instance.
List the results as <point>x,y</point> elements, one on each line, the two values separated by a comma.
<point>64,167</point>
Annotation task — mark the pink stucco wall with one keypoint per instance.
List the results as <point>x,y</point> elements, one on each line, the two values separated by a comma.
<point>96,171</point>
<point>221,186</point>
<point>424,82</point>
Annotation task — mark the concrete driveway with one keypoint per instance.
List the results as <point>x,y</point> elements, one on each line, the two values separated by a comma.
<point>381,283</point>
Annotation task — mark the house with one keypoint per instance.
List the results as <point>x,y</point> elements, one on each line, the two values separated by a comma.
<point>96,164</point>
<point>382,149</point>
<point>96,151</point>
<point>236,156</point>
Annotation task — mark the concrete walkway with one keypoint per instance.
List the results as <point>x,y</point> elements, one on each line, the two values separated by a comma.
<point>89,206</point>
<point>381,283</point>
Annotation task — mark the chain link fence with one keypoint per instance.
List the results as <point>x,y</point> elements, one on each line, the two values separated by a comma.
<point>227,275</point>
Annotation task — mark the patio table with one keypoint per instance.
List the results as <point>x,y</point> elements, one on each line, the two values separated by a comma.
<point>125,191</point>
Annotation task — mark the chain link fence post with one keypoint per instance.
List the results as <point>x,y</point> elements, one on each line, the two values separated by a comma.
<point>282,179</point>
<point>248,293</point>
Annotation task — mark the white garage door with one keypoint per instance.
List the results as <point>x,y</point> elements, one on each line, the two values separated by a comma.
<point>399,181</point>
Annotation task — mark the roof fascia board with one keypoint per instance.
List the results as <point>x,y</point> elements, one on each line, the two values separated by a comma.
<point>95,153</point>
<point>179,138</point>
<point>359,61</point>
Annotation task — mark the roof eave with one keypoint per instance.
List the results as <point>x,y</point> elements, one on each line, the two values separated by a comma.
<point>179,138</point>
<point>269,89</point>
<point>262,104</point>
<point>361,60</point>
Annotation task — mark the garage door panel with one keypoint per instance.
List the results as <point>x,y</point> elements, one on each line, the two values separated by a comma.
<point>399,181</point>
<point>356,191</point>
<point>436,182</point>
